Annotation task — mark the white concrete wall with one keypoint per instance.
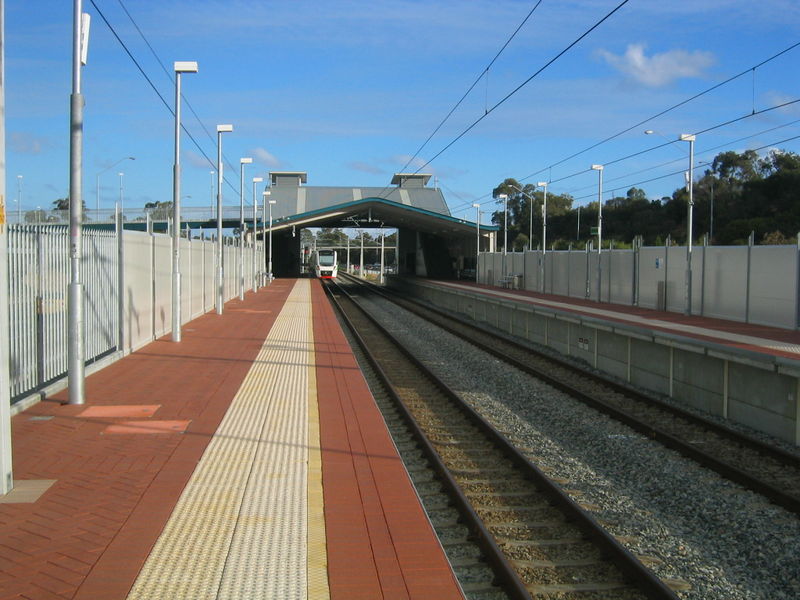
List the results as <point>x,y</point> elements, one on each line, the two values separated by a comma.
<point>147,287</point>
<point>758,284</point>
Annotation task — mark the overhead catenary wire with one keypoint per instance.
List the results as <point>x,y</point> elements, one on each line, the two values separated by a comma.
<point>523,84</point>
<point>158,93</point>
<point>658,146</point>
<point>676,160</point>
<point>665,111</point>
<point>170,76</point>
<point>471,87</point>
<point>700,132</point>
<point>698,166</point>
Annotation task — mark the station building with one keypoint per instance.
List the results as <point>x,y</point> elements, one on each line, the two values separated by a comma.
<point>430,241</point>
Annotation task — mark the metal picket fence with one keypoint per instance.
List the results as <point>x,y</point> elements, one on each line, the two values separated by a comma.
<point>39,273</point>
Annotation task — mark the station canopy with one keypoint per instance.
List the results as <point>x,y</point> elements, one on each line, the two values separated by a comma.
<point>406,203</point>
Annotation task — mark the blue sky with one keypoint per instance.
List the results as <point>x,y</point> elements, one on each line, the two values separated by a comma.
<point>347,90</point>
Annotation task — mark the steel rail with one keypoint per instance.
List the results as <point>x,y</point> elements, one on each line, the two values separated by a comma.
<point>727,470</point>
<point>644,579</point>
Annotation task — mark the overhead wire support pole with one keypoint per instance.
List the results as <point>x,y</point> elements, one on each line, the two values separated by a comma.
<point>220,271</point>
<point>686,137</point>
<point>256,180</point>
<point>6,465</point>
<point>76,324</point>
<point>242,163</point>
<point>180,67</point>
<point>599,169</point>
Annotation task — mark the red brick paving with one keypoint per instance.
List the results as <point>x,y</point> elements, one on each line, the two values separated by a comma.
<point>380,543</point>
<point>89,534</point>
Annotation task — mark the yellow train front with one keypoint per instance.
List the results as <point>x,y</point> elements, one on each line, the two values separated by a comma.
<point>325,264</point>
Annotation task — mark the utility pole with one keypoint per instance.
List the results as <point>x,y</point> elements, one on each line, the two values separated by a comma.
<point>6,471</point>
<point>76,325</point>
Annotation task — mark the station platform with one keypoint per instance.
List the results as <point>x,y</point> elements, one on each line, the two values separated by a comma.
<point>247,461</point>
<point>760,339</point>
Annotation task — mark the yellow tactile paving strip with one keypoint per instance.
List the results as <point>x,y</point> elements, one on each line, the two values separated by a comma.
<point>240,528</point>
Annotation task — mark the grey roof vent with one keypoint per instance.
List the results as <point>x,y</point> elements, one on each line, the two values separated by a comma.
<point>288,178</point>
<point>410,180</point>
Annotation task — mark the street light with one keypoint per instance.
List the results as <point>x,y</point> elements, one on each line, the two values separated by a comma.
<point>688,137</point>
<point>242,163</point>
<point>269,263</point>
<point>255,230</point>
<point>213,185</point>
<point>477,208</point>
<point>543,184</point>
<point>220,282</point>
<point>121,195</point>
<point>264,203</point>
<point>180,67</point>
<point>599,169</point>
<point>19,197</point>
<point>504,198</point>
<point>97,182</point>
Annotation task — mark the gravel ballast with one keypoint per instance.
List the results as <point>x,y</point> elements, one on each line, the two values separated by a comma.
<point>692,525</point>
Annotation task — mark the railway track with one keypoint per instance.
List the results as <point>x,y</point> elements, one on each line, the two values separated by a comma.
<point>765,469</point>
<point>537,540</point>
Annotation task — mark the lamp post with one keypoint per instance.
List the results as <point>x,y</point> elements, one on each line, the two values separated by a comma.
<point>264,226</point>
<point>543,184</point>
<point>255,230</point>
<point>19,197</point>
<point>504,198</point>
<point>180,67</point>
<point>242,163</point>
<point>97,182</point>
<point>477,208</point>
<point>269,259</point>
<point>76,328</point>
<point>687,137</point>
<point>599,169</point>
<point>220,282</point>
<point>121,195</point>
<point>213,186</point>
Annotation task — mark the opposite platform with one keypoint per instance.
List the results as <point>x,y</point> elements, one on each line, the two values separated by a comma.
<point>747,336</point>
<point>248,461</point>
<point>741,372</point>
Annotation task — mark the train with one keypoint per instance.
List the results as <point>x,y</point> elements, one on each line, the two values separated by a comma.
<point>324,264</point>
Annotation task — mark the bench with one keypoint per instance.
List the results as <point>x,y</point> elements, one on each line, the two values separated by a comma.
<point>511,281</point>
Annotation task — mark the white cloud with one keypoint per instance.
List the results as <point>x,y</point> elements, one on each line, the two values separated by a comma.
<point>406,159</point>
<point>26,143</point>
<point>659,70</point>
<point>365,168</point>
<point>262,156</point>
<point>197,160</point>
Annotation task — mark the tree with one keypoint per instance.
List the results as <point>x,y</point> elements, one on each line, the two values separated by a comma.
<point>159,211</point>
<point>38,216</point>
<point>61,208</point>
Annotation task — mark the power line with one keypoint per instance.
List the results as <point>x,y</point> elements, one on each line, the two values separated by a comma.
<point>523,84</point>
<point>172,79</point>
<point>699,166</point>
<point>665,111</point>
<point>700,132</point>
<point>471,87</point>
<point>155,89</point>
